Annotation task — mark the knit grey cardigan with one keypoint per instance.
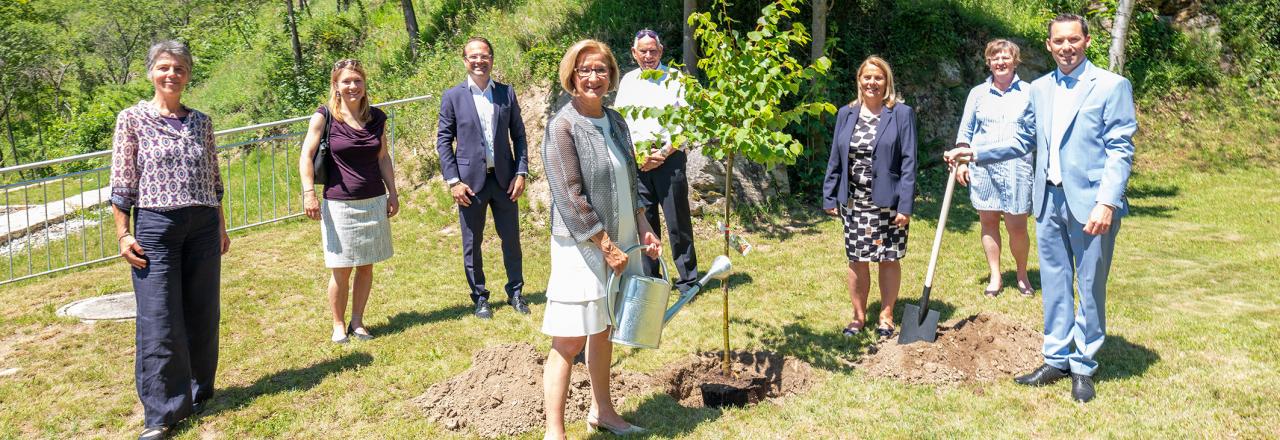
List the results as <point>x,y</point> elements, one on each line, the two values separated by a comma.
<point>575,157</point>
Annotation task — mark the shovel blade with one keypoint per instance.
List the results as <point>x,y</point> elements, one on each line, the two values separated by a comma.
<point>913,329</point>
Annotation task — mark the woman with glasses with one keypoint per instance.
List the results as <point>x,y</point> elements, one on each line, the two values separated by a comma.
<point>164,170</point>
<point>596,214</point>
<point>999,189</point>
<point>359,194</point>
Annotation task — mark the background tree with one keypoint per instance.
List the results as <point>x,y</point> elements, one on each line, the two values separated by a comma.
<point>689,47</point>
<point>411,25</point>
<point>737,112</point>
<point>293,33</point>
<point>1119,34</point>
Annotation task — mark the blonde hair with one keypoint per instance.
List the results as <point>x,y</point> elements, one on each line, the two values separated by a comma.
<point>890,96</point>
<point>362,111</point>
<point>1002,45</point>
<point>569,63</point>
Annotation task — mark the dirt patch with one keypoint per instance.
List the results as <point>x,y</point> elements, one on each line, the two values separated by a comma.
<point>501,394</point>
<point>980,348</point>
<point>777,375</point>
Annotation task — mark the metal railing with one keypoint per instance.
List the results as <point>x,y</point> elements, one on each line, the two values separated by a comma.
<point>47,229</point>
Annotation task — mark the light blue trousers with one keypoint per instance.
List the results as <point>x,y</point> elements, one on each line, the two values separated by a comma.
<point>1072,261</point>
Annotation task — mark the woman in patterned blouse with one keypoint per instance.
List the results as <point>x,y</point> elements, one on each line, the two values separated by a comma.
<point>164,169</point>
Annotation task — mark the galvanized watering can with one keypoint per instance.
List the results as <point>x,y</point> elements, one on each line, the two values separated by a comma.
<point>640,313</point>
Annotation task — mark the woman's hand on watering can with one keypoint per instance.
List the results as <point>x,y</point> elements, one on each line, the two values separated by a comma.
<point>652,246</point>
<point>613,256</point>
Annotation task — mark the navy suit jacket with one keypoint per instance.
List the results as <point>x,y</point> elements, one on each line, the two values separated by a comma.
<point>460,122</point>
<point>893,162</point>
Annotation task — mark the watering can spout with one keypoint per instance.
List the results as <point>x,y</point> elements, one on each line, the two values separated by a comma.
<point>719,270</point>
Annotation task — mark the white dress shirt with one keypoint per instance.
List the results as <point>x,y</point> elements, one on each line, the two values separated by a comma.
<point>634,91</point>
<point>483,97</point>
<point>1065,93</point>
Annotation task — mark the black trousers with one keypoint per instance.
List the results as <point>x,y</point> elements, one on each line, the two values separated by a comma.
<point>667,186</point>
<point>177,296</point>
<point>506,220</point>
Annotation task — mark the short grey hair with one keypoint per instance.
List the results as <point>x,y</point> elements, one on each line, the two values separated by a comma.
<point>646,33</point>
<point>174,48</point>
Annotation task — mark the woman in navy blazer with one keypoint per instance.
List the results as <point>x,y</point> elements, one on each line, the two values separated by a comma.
<point>870,184</point>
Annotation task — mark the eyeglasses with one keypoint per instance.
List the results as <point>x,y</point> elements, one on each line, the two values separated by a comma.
<point>479,57</point>
<point>585,72</point>
<point>346,62</point>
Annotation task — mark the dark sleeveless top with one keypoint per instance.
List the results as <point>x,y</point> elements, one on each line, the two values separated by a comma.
<point>354,172</point>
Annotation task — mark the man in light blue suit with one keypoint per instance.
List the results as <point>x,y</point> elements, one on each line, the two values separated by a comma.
<point>1081,120</point>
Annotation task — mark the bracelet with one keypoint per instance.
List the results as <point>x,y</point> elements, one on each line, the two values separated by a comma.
<point>122,237</point>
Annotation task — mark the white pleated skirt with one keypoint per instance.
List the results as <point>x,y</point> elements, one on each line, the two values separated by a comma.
<point>584,318</point>
<point>576,290</point>
<point>355,232</point>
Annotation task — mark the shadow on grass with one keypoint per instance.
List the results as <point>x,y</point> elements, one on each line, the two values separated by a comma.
<point>945,311</point>
<point>826,349</point>
<point>404,320</point>
<point>664,417</point>
<point>295,379</point>
<point>1141,205</point>
<point>1121,359</point>
<point>1009,279</point>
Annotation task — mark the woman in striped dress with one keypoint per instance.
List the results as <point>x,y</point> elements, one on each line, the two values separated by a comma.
<point>1002,189</point>
<point>359,196</point>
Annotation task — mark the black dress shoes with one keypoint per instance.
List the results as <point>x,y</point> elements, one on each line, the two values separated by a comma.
<point>482,309</point>
<point>1082,388</point>
<point>1044,375</point>
<point>518,303</point>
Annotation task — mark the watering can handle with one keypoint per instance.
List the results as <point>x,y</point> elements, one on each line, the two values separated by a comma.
<point>616,277</point>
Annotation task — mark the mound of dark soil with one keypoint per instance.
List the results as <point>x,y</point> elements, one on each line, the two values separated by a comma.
<point>980,348</point>
<point>501,394</point>
<point>774,375</point>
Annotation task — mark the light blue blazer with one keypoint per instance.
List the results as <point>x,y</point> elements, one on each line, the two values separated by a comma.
<point>1096,150</point>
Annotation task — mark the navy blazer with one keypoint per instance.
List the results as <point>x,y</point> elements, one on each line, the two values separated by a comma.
<point>893,162</point>
<point>459,121</point>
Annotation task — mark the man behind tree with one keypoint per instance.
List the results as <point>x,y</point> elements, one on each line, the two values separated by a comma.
<point>662,175</point>
<point>486,170</point>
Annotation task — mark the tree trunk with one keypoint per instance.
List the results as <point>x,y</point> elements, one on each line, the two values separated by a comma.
<point>13,142</point>
<point>689,46</point>
<point>411,25</point>
<point>820,10</point>
<point>293,32</point>
<point>1119,34</point>
<point>728,210</point>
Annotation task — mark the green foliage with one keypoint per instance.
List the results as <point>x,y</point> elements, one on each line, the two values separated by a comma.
<point>748,76</point>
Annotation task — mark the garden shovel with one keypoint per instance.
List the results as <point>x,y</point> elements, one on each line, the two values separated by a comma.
<point>918,322</point>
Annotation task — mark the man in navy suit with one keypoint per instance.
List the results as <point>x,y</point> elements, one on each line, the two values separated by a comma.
<point>1081,122</point>
<point>486,170</point>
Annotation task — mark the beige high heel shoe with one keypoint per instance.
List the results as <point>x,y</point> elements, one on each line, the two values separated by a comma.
<point>593,424</point>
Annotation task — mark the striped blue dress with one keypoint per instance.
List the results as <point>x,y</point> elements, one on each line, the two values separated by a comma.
<point>992,116</point>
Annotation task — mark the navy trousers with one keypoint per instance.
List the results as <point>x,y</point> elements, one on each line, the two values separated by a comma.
<point>667,186</point>
<point>506,220</point>
<point>177,296</point>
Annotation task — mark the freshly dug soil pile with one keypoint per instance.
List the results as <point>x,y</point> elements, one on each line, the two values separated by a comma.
<point>501,394</point>
<point>780,376</point>
<point>980,348</point>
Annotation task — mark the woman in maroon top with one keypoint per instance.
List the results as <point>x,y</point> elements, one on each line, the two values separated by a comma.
<point>359,196</point>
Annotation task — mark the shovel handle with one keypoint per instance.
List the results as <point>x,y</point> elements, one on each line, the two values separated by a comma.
<point>937,240</point>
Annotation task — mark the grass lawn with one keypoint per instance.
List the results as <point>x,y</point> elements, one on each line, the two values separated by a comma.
<point>1190,348</point>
